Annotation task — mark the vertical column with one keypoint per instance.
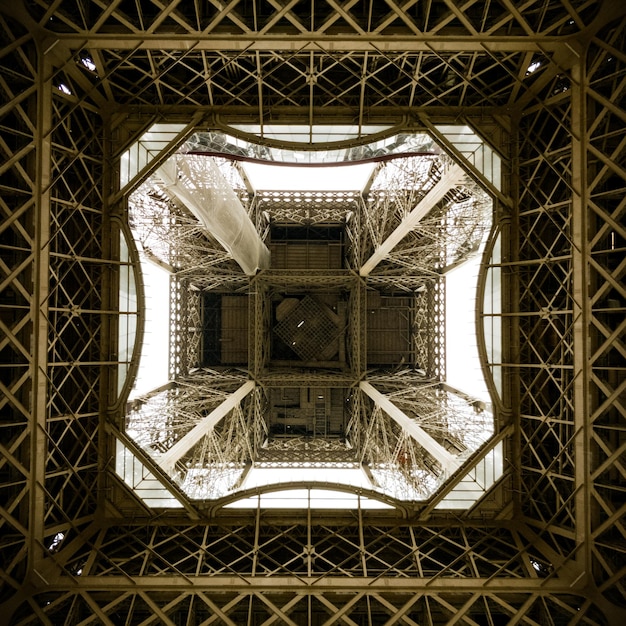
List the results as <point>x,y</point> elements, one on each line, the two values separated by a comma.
<point>511,382</point>
<point>580,313</point>
<point>109,300</point>
<point>39,312</point>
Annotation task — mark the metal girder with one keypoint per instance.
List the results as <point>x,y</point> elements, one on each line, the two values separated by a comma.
<point>567,347</point>
<point>40,304</point>
<point>313,584</point>
<point>329,19</point>
<point>451,178</point>
<point>303,43</point>
<point>448,461</point>
<point>199,185</point>
<point>529,609</point>
<point>601,314</point>
<point>581,306</point>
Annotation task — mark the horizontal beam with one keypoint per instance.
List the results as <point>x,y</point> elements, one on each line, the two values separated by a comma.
<point>313,584</point>
<point>253,42</point>
<point>448,461</point>
<point>169,458</point>
<point>453,177</point>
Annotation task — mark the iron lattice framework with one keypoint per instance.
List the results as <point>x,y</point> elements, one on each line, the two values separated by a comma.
<point>544,80</point>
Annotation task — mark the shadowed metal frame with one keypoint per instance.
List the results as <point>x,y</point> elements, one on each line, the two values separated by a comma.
<point>547,545</point>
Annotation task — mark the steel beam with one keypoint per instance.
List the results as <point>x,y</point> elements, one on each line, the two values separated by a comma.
<point>203,190</point>
<point>169,458</point>
<point>453,177</point>
<point>447,460</point>
<point>39,313</point>
<point>581,313</point>
<point>309,41</point>
<point>315,584</point>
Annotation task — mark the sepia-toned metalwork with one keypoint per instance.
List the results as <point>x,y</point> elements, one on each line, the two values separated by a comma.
<point>540,82</point>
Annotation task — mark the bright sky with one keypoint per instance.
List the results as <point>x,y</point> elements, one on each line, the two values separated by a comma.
<point>463,369</point>
<point>292,178</point>
<point>154,360</point>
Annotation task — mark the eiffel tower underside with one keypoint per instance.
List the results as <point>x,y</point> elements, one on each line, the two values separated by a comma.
<point>84,84</point>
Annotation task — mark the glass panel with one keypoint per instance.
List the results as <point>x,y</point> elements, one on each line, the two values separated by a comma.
<point>147,148</point>
<point>222,143</point>
<point>127,319</point>
<point>153,360</point>
<point>463,370</point>
<point>308,498</point>
<point>492,312</point>
<point>476,482</point>
<point>145,485</point>
<point>475,150</point>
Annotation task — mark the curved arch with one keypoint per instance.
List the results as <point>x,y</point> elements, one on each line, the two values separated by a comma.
<point>314,146</point>
<point>374,159</point>
<point>124,387</point>
<point>309,486</point>
<point>222,140</point>
<point>494,242</point>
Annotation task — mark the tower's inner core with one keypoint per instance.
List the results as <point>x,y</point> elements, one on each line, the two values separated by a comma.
<point>308,320</point>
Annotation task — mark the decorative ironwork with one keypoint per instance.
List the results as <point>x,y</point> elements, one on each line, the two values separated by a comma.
<point>307,329</point>
<point>307,207</point>
<point>82,82</point>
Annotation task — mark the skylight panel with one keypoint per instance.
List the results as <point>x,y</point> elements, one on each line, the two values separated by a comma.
<point>463,369</point>
<point>154,349</point>
<point>259,477</point>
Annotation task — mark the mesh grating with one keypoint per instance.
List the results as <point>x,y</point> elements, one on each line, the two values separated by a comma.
<point>307,329</point>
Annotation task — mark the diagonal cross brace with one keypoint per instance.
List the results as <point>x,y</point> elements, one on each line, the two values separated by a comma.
<point>452,178</point>
<point>180,448</point>
<point>448,461</point>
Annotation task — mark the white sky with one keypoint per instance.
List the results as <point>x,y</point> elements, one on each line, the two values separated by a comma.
<point>270,476</point>
<point>463,369</point>
<point>292,178</point>
<point>154,360</point>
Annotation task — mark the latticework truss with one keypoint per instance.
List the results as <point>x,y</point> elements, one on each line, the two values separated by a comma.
<point>171,235</point>
<point>544,81</point>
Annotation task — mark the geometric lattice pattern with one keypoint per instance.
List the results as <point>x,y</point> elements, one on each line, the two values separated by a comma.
<point>544,81</point>
<point>307,329</point>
